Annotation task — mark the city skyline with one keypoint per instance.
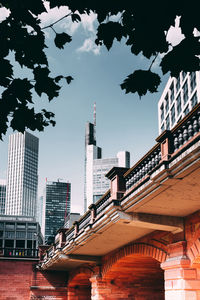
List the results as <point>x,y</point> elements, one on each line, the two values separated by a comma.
<point>97,75</point>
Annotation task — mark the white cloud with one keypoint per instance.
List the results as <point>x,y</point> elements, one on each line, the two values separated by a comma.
<point>89,46</point>
<point>174,34</point>
<point>4,13</point>
<point>87,23</point>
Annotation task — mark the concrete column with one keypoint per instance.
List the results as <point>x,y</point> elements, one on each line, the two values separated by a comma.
<point>181,281</point>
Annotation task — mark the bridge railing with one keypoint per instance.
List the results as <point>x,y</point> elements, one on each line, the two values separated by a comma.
<point>169,143</point>
<point>186,129</point>
<point>143,167</point>
<point>19,252</point>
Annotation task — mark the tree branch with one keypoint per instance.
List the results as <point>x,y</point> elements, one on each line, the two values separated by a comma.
<point>50,26</point>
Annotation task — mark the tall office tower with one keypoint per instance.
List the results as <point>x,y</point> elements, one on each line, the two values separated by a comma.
<point>96,184</point>
<point>57,206</point>
<point>2,196</point>
<point>91,152</point>
<point>22,175</point>
<point>178,98</point>
<point>39,213</point>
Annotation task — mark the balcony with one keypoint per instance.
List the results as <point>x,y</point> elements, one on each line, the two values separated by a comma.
<point>18,253</point>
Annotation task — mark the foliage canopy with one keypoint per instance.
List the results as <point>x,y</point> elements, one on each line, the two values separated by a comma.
<point>143,24</point>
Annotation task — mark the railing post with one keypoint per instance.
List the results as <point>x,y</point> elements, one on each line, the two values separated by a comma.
<point>76,228</point>
<point>118,184</point>
<point>92,209</point>
<point>165,140</point>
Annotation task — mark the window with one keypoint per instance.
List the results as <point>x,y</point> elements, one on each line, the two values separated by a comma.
<point>166,104</point>
<point>161,113</point>
<point>186,111</point>
<point>192,81</point>
<point>184,75</point>
<point>172,115</point>
<point>185,92</point>
<point>163,127</point>
<point>172,92</point>
<point>167,123</point>
<point>31,226</point>
<point>178,104</point>
<point>21,225</point>
<point>178,83</point>
<point>20,234</point>
<point>9,234</point>
<point>194,100</point>
<point>10,225</point>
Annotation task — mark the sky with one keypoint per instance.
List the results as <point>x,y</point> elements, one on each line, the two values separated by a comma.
<point>124,122</point>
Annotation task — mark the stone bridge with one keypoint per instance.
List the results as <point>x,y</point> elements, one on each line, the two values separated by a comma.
<point>141,240</point>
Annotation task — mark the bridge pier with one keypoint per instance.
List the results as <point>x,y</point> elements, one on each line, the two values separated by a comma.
<point>182,282</point>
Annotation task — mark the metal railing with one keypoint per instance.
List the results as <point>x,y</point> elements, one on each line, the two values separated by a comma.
<point>185,130</point>
<point>19,252</point>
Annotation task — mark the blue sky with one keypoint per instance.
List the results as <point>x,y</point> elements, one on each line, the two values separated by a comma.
<point>124,122</point>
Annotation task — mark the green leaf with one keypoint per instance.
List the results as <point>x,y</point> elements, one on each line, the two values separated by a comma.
<point>61,39</point>
<point>58,78</point>
<point>44,83</point>
<point>184,57</point>
<point>6,72</point>
<point>69,79</point>
<point>107,32</point>
<point>141,81</point>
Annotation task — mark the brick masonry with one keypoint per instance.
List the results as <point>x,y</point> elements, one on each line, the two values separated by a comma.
<point>160,263</point>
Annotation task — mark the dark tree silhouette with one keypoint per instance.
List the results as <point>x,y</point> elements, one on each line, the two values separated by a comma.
<point>144,25</point>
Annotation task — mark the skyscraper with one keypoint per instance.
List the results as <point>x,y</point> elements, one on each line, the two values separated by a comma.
<point>57,206</point>
<point>91,152</point>
<point>2,196</point>
<point>96,184</point>
<point>180,95</point>
<point>22,175</point>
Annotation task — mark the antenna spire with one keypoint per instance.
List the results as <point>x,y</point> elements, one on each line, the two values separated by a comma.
<point>94,116</point>
<point>94,113</point>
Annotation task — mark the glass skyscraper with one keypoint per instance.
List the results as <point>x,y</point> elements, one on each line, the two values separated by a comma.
<point>22,175</point>
<point>96,184</point>
<point>57,206</point>
<point>2,196</point>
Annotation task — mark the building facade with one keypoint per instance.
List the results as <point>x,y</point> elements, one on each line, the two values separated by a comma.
<point>22,175</point>
<point>101,167</point>
<point>70,219</point>
<point>2,196</point>
<point>57,206</point>
<point>19,236</point>
<point>178,98</point>
<point>96,184</point>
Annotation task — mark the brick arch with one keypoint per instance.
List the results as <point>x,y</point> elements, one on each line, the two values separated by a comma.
<point>194,252</point>
<point>88,272</point>
<point>136,248</point>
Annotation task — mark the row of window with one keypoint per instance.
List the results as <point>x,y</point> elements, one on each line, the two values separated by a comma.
<point>171,118</point>
<point>184,95</point>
